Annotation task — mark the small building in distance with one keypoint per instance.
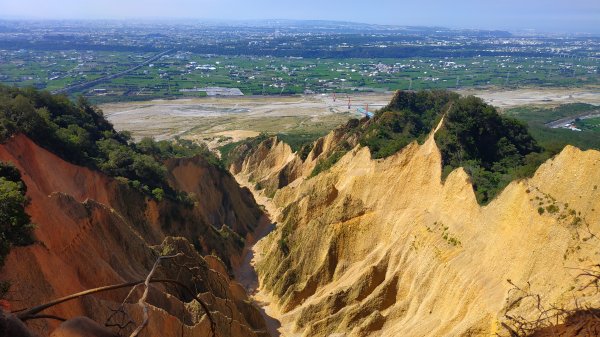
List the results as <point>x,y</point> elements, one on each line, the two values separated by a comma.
<point>216,91</point>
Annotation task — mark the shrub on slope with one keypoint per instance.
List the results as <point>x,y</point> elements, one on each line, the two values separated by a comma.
<point>15,224</point>
<point>79,133</point>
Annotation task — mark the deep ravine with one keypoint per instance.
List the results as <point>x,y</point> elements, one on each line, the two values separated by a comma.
<point>245,273</point>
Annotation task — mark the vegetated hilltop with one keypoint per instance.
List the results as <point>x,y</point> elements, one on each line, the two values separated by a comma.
<point>400,246</point>
<point>94,228</point>
<point>493,149</point>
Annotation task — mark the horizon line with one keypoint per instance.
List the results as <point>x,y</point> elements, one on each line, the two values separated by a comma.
<point>521,30</point>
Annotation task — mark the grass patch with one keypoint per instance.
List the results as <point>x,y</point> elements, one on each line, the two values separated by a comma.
<point>298,140</point>
<point>556,139</point>
<point>326,164</point>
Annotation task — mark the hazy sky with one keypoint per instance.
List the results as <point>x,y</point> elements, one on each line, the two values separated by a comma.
<point>542,15</point>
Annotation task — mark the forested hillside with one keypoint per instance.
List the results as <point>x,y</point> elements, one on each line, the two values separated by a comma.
<point>79,133</point>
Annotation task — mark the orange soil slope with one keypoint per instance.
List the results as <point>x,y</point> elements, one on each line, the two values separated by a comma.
<point>94,231</point>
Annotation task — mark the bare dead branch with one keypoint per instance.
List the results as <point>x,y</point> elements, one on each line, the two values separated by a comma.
<point>121,310</point>
<point>33,313</point>
<point>47,317</point>
<point>142,300</point>
<point>27,314</point>
<point>549,315</point>
<point>22,314</point>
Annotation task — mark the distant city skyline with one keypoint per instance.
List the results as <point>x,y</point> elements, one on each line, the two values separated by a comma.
<point>575,16</point>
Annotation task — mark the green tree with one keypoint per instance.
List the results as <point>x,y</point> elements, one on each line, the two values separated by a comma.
<point>493,149</point>
<point>15,223</point>
<point>158,194</point>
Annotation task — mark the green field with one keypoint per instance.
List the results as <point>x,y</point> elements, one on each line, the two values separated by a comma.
<point>590,124</point>
<point>555,139</point>
<point>268,75</point>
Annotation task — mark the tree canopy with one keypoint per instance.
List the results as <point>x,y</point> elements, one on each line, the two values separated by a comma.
<point>409,116</point>
<point>15,224</point>
<point>493,149</point>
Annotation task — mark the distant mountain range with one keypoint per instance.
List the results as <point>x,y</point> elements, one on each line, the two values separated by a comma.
<point>7,25</point>
<point>353,27</point>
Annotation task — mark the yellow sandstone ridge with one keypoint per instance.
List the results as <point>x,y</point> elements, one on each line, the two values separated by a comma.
<point>386,248</point>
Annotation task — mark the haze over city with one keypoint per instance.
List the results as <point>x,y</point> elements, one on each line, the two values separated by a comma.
<point>579,16</point>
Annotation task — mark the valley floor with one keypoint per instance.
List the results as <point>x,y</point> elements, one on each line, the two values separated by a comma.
<point>220,120</point>
<point>211,119</point>
<point>246,275</point>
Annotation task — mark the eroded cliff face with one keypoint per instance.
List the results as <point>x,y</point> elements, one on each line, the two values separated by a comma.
<point>220,200</point>
<point>386,248</point>
<point>273,165</point>
<point>94,231</point>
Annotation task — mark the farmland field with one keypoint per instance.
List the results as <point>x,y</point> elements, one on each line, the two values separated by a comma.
<point>181,74</point>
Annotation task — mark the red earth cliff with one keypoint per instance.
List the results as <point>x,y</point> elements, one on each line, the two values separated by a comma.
<point>93,231</point>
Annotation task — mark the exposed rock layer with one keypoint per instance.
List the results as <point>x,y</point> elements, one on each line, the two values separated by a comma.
<point>386,248</point>
<point>273,165</point>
